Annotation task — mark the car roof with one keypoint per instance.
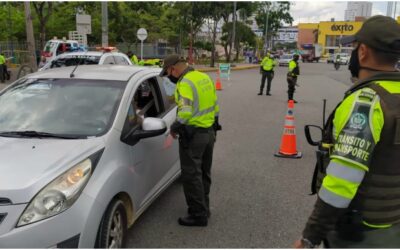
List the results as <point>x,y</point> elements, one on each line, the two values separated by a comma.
<point>95,72</point>
<point>87,53</point>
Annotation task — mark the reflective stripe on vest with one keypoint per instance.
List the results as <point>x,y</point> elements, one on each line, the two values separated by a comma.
<point>197,114</point>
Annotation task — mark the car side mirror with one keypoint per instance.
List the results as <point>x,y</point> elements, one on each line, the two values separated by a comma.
<point>151,127</point>
<point>313,133</point>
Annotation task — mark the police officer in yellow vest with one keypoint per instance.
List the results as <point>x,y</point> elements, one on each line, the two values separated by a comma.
<point>196,125</point>
<point>358,204</point>
<point>3,68</point>
<point>267,69</point>
<point>292,74</point>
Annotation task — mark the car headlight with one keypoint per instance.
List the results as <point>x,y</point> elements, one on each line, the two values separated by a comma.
<point>58,195</point>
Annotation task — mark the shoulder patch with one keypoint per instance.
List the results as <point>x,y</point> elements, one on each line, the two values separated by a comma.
<point>367,94</point>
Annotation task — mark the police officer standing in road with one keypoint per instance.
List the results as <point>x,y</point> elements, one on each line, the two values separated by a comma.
<point>3,68</point>
<point>267,69</point>
<point>358,203</point>
<point>196,125</point>
<point>292,74</point>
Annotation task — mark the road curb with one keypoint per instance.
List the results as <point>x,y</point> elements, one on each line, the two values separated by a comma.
<point>233,68</point>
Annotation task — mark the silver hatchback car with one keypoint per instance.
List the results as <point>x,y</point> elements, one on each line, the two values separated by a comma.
<point>84,151</point>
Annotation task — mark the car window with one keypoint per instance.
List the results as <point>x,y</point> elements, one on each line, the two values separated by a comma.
<point>121,60</point>
<point>109,60</point>
<point>146,102</point>
<point>61,106</point>
<point>73,60</point>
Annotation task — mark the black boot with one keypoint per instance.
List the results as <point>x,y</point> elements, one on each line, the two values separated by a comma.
<point>193,221</point>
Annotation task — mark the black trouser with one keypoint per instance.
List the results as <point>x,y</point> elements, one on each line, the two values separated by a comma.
<point>196,155</point>
<point>269,75</point>
<point>291,86</point>
<point>368,238</point>
<point>3,72</point>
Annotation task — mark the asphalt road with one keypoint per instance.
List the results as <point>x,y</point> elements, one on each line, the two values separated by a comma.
<point>257,200</point>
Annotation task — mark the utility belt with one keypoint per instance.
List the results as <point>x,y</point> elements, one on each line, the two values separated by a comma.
<point>187,132</point>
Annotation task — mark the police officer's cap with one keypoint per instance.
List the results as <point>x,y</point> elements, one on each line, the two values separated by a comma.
<point>170,61</point>
<point>379,32</point>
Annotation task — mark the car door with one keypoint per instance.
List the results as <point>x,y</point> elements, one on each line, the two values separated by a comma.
<point>154,157</point>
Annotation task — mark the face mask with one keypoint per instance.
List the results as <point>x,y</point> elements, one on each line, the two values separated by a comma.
<point>173,79</point>
<point>354,65</point>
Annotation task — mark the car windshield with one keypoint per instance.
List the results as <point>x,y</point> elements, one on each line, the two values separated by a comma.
<point>72,60</point>
<point>286,57</point>
<point>67,107</point>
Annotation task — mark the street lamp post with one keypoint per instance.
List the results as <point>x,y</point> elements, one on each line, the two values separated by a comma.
<point>104,24</point>
<point>234,26</point>
<point>266,28</point>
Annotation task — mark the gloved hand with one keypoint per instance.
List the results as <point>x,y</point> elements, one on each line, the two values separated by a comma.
<point>261,69</point>
<point>216,125</point>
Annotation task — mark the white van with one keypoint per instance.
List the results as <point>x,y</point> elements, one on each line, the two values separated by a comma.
<point>56,47</point>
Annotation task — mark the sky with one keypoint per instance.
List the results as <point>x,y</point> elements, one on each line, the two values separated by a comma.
<point>316,11</point>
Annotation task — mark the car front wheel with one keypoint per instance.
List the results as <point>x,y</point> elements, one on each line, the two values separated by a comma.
<point>113,227</point>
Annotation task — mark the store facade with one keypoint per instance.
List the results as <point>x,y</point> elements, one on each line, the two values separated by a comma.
<point>327,34</point>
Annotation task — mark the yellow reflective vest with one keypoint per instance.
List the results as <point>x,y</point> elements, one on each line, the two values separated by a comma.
<point>268,63</point>
<point>197,100</point>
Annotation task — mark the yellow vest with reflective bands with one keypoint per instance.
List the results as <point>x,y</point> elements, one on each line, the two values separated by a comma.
<point>197,100</point>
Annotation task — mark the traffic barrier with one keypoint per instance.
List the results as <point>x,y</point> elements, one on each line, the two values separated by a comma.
<point>218,84</point>
<point>288,143</point>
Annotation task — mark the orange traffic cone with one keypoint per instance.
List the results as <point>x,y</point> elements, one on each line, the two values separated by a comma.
<point>218,84</point>
<point>288,144</point>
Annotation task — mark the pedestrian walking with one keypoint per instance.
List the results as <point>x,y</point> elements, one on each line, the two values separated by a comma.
<point>267,70</point>
<point>358,202</point>
<point>292,74</point>
<point>196,125</point>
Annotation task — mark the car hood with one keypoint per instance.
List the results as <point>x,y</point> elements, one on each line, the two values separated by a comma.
<point>29,164</point>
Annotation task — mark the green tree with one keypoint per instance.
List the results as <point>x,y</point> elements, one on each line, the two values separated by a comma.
<point>43,11</point>
<point>244,11</point>
<point>12,18</point>
<point>244,36</point>
<point>278,14</point>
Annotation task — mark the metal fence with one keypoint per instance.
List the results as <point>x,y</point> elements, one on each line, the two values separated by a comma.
<point>17,51</point>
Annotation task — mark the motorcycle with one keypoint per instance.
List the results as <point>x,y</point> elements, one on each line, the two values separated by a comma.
<point>336,65</point>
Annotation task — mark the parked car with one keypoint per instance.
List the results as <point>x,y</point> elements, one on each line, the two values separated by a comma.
<point>83,155</point>
<point>89,57</point>
<point>344,58</point>
<point>285,59</point>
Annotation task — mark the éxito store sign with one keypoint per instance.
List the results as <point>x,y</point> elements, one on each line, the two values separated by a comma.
<point>330,33</point>
<point>342,27</point>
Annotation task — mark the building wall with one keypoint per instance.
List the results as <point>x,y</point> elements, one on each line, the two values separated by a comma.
<point>286,35</point>
<point>306,33</point>
<point>329,33</point>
